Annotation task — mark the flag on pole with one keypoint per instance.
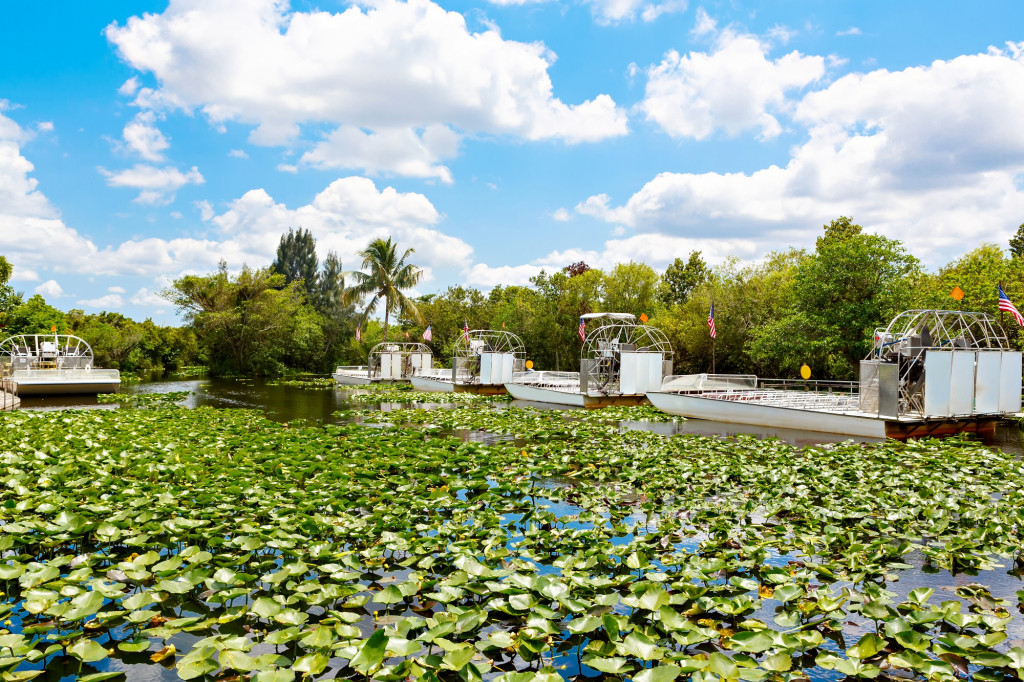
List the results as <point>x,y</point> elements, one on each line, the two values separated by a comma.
<point>359,334</point>
<point>1007,305</point>
<point>582,331</point>
<point>465,329</point>
<point>407,335</point>
<point>427,334</point>
<point>711,322</point>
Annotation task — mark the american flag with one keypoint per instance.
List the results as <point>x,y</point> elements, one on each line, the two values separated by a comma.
<point>711,322</point>
<point>465,329</point>
<point>1007,305</point>
<point>427,334</point>
<point>359,335</point>
<point>582,331</point>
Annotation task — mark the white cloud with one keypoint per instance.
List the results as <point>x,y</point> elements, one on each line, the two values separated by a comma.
<point>562,215</point>
<point>44,127</point>
<point>734,88</point>
<point>703,24</point>
<point>116,290</point>
<point>401,151</point>
<point>129,87</point>
<point>931,155</point>
<point>157,185</point>
<point>238,154</point>
<point>852,31</point>
<point>143,137</point>
<point>105,302</point>
<point>147,298</point>
<point>390,66</point>
<point>50,289</point>
<point>616,11</point>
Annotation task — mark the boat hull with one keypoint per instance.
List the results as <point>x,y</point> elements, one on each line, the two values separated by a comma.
<point>847,424</point>
<point>432,385</point>
<point>66,381</point>
<point>351,379</point>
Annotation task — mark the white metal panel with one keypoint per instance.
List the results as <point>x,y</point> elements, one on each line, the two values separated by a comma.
<point>961,383</point>
<point>654,368</point>
<point>508,364</point>
<point>486,368</point>
<point>628,373</point>
<point>986,382</point>
<point>938,365</point>
<point>1009,382</point>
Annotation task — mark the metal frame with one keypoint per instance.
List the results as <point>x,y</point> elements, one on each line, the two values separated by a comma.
<point>407,349</point>
<point>600,357</point>
<point>44,351</point>
<point>908,337</point>
<point>470,345</point>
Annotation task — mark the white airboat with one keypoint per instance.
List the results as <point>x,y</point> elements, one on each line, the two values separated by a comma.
<point>388,361</point>
<point>621,360</point>
<point>930,372</point>
<point>53,364</point>
<point>483,360</point>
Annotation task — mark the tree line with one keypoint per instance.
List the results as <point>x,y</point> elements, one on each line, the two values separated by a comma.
<point>817,307</point>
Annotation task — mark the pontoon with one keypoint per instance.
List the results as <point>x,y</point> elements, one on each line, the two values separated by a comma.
<point>388,362</point>
<point>620,361</point>
<point>930,372</point>
<point>53,364</point>
<point>483,360</point>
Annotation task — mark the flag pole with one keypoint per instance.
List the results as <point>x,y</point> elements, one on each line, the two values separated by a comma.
<point>1000,308</point>
<point>713,356</point>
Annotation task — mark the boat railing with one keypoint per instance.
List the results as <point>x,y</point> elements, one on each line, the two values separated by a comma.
<point>559,380</point>
<point>694,383</point>
<point>58,376</point>
<point>811,385</point>
<point>799,400</point>
<point>8,394</point>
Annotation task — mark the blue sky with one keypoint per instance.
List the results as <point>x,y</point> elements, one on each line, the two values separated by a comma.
<point>140,141</point>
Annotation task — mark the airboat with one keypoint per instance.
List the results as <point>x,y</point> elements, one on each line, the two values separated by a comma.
<point>388,361</point>
<point>483,361</point>
<point>53,364</point>
<point>620,361</point>
<point>929,373</point>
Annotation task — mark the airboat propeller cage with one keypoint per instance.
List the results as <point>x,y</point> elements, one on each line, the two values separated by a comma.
<point>397,361</point>
<point>44,351</point>
<point>488,357</point>
<point>622,356</point>
<point>941,363</point>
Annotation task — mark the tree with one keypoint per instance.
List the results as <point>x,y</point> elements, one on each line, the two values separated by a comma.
<point>248,324</point>
<point>7,270</point>
<point>9,298</point>
<point>35,316</point>
<point>388,275</point>
<point>681,278</point>
<point>296,260</point>
<point>631,288</point>
<point>1017,242</point>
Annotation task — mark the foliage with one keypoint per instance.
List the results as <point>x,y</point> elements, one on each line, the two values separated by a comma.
<point>680,279</point>
<point>249,324</point>
<point>1017,242</point>
<point>632,288</point>
<point>222,545</point>
<point>35,316</point>
<point>576,269</point>
<point>388,276</point>
<point>296,260</point>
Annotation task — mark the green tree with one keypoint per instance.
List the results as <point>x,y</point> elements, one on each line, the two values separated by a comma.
<point>1017,242</point>
<point>9,298</point>
<point>35,316</point>
<point>249,324</point>
<point>851,284</point>
<point>631,288</point>
<point>681,278</point>
<point>296,260</point>
<point>388,275</point>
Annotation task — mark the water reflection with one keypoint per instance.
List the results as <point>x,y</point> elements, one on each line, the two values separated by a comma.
<point>291,403</point>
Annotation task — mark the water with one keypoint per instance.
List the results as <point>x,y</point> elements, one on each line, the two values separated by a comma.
<point>290,403</point>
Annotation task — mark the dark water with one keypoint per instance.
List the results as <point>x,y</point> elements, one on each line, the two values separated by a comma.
<point>289,403</point>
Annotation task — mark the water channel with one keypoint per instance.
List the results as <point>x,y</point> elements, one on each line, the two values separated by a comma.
<point>290,403</point>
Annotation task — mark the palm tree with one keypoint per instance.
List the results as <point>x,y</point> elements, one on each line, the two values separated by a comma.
<point>387,276</point>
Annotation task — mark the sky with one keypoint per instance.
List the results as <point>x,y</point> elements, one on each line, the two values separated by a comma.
<point>141,141</point>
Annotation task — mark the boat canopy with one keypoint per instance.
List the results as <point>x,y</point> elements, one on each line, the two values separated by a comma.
<point>392,361</point>
<point>610,316</point>
<point>487,356</point>
<point>44,351</point>
<point>624,357</point>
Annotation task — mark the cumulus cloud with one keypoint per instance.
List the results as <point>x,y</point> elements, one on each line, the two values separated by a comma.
<point>238,154</point>
<point>617,11</point>
<point>930,155</point>
<point>406,66</point>
<point>734,88</point>
<point>142,137</point>
<point>104,302</point>
<point>150,299</point>
<point>157,185</point>
<point>50,289</point>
